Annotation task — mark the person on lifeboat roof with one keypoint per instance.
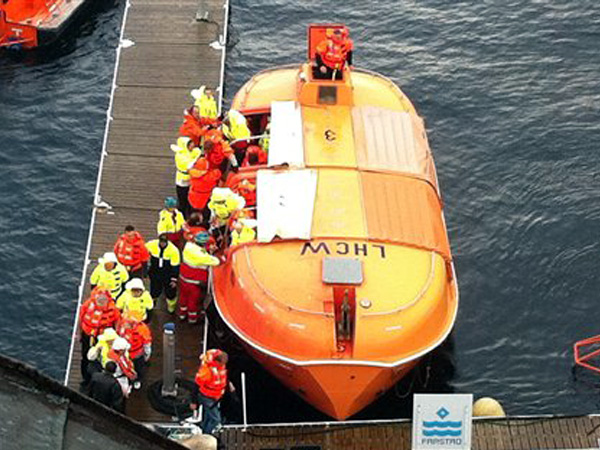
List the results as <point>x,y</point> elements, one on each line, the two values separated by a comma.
<point>333,53</point>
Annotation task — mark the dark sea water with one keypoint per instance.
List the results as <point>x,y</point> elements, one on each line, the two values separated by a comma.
<point>510,91</point>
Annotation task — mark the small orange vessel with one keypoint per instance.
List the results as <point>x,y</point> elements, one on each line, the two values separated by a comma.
<point>27,24</point>
<point>350,281</point>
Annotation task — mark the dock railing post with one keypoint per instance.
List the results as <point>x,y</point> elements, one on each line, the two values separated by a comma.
<point>169,387</point>
<point>244,409</point>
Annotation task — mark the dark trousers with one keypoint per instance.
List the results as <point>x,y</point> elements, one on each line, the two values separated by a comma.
<point>85,347</point>
<point>140,365</point>
<point>183,204</point>
<point>160,283</point>
<point>211,414</point>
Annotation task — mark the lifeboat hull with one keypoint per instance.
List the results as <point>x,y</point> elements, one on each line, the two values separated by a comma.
<point>338,390</point>
<point>28,24</point>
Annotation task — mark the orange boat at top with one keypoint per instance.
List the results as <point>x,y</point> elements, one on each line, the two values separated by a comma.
<point>27,24</point>
<point>350,280</point>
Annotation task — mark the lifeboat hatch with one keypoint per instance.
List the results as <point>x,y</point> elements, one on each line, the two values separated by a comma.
<point>342,271</point>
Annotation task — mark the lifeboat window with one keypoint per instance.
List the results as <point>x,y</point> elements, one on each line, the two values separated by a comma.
<point>327,95</point>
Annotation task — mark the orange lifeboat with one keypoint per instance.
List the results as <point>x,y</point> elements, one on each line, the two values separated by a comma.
<point>27,24</point>
<point>350,280</point>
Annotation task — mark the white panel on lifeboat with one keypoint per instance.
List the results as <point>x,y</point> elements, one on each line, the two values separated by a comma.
<point>287,144</point>
<point>285,203</point>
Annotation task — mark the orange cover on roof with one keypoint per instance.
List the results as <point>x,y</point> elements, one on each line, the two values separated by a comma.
<point>404,210</point>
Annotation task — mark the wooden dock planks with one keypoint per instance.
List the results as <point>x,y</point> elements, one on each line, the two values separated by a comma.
<point>171,55</point>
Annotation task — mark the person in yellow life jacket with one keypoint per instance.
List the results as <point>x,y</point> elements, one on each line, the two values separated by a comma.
<point>265,140</point>
<point>212,382</point>
<point>170,222</point>
<point>235,128</point>
<point>164,270</point>
<point>193,276</point>
<point>207,105</point>
<point>223,204</point>
<point>125,373</point>
<point>109,274</point>
<point>98,354</point>
<point>96,314</point>
<point>186,154</point>
<point>139,337</point>
<point>136,300</point>
<point>243,231</point>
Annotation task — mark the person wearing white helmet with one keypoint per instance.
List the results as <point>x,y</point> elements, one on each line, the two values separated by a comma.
<point>109,274</point>
<point>125,373</point>
<point>136,300</point>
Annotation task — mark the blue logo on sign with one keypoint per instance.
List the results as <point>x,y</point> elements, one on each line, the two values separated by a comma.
<point>442,428</point>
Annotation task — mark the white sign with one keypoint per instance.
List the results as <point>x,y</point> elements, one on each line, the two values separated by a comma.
<point>442,421</point>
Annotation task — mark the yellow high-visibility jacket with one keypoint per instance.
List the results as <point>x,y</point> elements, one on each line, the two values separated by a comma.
<point>112,280</point>
<point>168,224</point>
<point>135,306</point>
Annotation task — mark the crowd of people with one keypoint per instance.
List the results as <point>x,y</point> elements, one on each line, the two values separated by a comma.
<point>214,209</point>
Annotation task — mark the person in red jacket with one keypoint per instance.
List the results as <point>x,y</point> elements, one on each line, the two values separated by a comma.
<point>139,337</point>
<point>218,153</point>
<point>211,381</point>
<point>255,156</point>
<point>203,179</point>
<point>192,126</point>
<point>96,314</point>
<point>131,251</point>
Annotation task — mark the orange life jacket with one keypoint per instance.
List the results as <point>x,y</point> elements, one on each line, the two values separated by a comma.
<point>211,378</point>
<point>94,319</point>
<point>192,128</point>
<point>131,251</point>
<point>331,54</point>
<point>137,336</point>
<point>124,362</point>
<point>221,148</point>
<point>255,149</point>
<point>202,185</point>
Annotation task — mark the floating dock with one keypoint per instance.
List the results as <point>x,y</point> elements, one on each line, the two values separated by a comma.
<point>163,53</point>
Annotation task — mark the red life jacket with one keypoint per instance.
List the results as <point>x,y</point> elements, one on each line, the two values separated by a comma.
<point>211,378</point>
<point>124,363</point>
<point>137,336</point>
<point>131,251</point>
<point>94,319</point>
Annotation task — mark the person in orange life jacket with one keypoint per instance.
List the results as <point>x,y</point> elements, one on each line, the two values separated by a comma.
<point>125,372</point>
<point>139,337</point>
<point>255,156</point>
<point>105,388</point>
<point>331,55</point>
<point>170,222</point>
<point>192,126</point>
<point>164,270</point>
<point>96,314</point>
<point>193,276</point>
<point>131,251</point>
<point>211,381</point>
<point>203,180</point>
<point>220,155</point>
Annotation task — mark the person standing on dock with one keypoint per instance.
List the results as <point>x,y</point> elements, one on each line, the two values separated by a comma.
<point>193,276</point>
<point>105,388</point>
<point>136,300</point>
<point>170,222</point>
<point>131,251</point>
<point>125,373</point>
<point>139,337</point>
<point>211,381</point>
<point>109,274</point>
<point>164,270</point>
<point>186,154</point>
<point>96,314</point>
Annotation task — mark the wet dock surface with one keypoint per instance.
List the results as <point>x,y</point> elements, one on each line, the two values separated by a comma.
<point>170,56</point>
